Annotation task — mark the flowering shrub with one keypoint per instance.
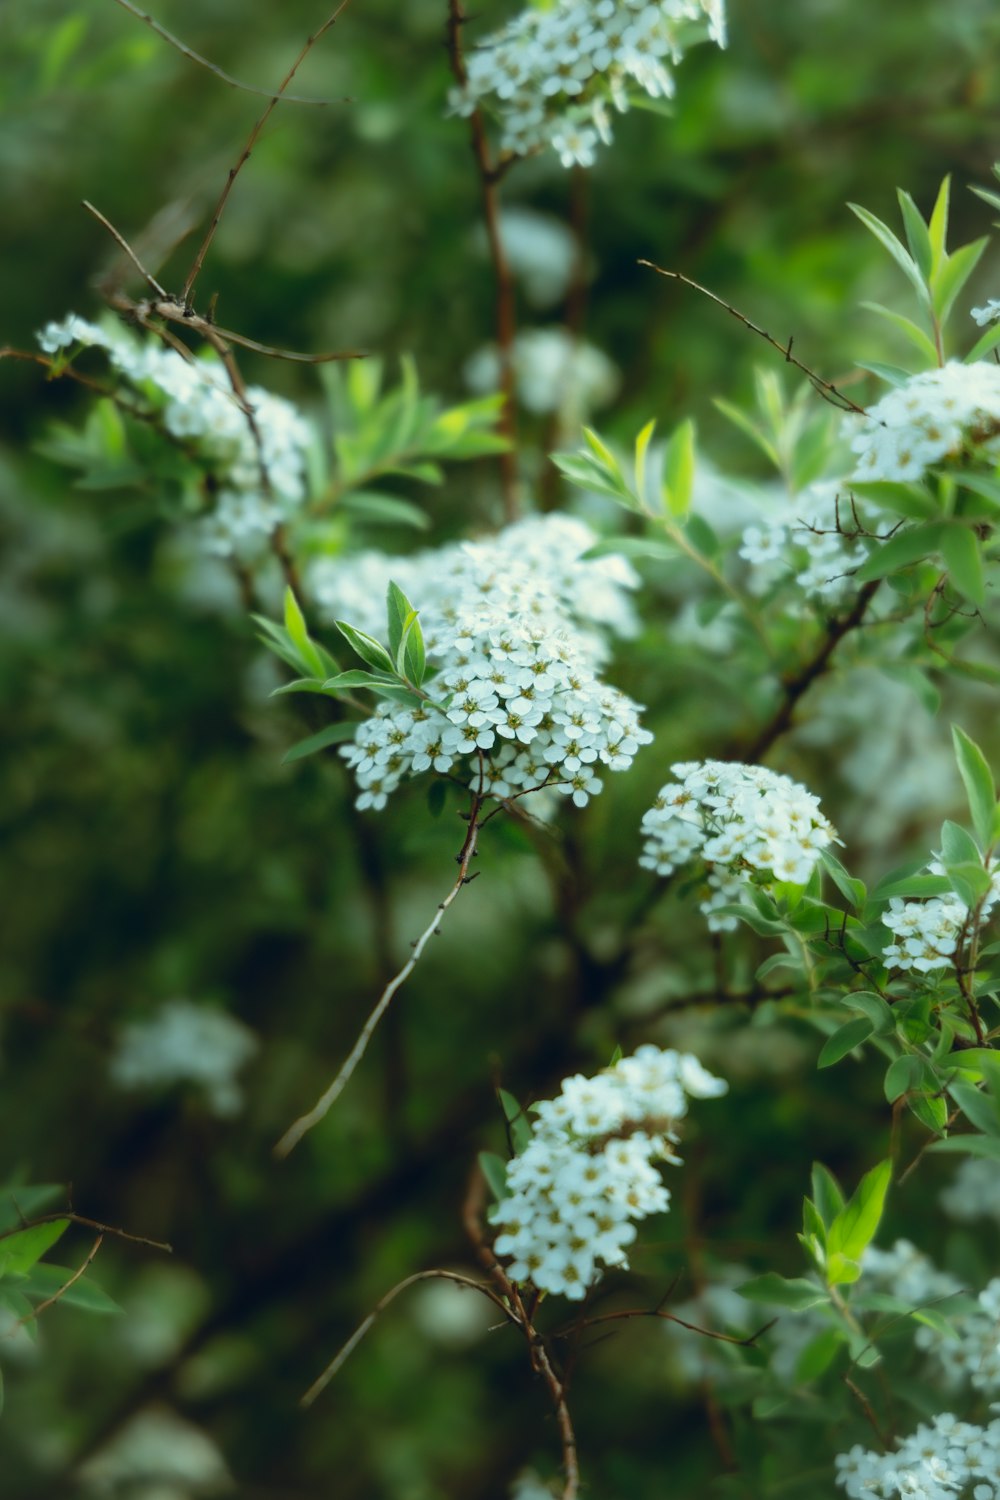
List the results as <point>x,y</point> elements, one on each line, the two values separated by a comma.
<point>470,646</point>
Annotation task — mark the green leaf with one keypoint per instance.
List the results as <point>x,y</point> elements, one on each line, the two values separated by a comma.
<point>854,1227</point>
<point>900,551</point>
<point>875,1008</point>
<point>964,561</point>
<point>749,429</point>
<point>344,681</point>
<point>845,1040</point>
<point>979,786</point>
<point>958,846</point>
<point>986,342</point>
<point>333,734</point>
<point>907,328</point>
<point>888,240</point>
<point>971,1145</point>
<point>22,1201</point>
<point>938,226</point>
<point>780,1291</point>
<point>851,889</point>
<point>978,1107</point>
<point>910,500</point>
<point>398,610</point>
<point>19,1251</point>
<point>911,887</point>
<point>641,450</point>
<point>494,1169</point>
<point>47,1280</point>
<point>917,236</point>
<point>385,510</point>
<point>295,625</point>
<point>952,274</point>
<point>367,647</point>
<point>520,1126</point>
<point>827,1193</point>
<point>678,469</point>
<point>902,1075</point>
<point>818,1355</point>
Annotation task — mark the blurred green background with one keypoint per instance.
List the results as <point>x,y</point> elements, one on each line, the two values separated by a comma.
<point>155,847</point>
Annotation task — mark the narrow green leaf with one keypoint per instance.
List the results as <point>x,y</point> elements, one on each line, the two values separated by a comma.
<point>938,226</point>
<point>978,1107</point>
<point>749,429</point>
<point>295,625</point>
<point>900,551</point>
<point>19,1251</point>
<point>875,1008</point>
<point>854,1227</point>
<point>911,887</point>
<point>910,500</point>
<point>851,889</point>
<point>907,328</point>
<point>344,681</point>
<point>827,1193</point>
<point>979,785</point>
<point>520,1125</point>
<point>385,510</point>
<point>985,343</point>
<point>398,608</point>
<point>333,734</point>
<point>47,1280</point>
<point>964,561</point>
<point>917,235</point>
<point>818,1355</point>
<point>678,469</point>
<point>970,1145</point>
<point>367,647</point>
<point>494,1169</point>
<point>781,1291</point>
<point>889,242</point>
<point>641,450</point>
<point>844,1040</point>
<point>903,1074</point>
<point>958,846</point>
<point>952,274</point>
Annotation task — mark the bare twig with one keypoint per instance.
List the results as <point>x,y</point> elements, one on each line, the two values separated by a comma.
<point>305,1123</point>
<point>102,1229</point>
<point>345,1352</point>
<point>203,62</point>
<point>824,388</point>
<point>234,172</point>
<point>489,177</point>
<point>669,1317</point>
<point>41,1307</point>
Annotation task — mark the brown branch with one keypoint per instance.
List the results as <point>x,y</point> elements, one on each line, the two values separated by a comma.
<point>505,317</point>
<point>234,172</point>
<point>37,1311</point>
<point>346,1350</point>
<point>824,388</point>
<point>203,62</point>
<point>794,687</point>
<point>305,1123</point>
<point>472,1211</point>
<point>661,1312</point>
<point>102,1229</point>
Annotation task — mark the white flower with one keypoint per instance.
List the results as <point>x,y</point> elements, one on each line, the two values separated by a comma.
<point>185,1043</point>
<point>553,371</point>
<point>930,419</point>
<point>588,1172</point>
<point>742,821</point>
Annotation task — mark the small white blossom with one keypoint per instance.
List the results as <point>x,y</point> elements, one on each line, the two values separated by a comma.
<point>588,1171</point>
<point>553,372</point>
<point>185,1043</point>
<point>742,821</point>
<point>935,416</point>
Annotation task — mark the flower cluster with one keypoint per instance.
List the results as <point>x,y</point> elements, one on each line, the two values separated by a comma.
<point>258,468</point>
<point>553,372</point>
<point>742,822</point>
<point>535,569</point>
<point>550,74</point>
<point>974,1192</point>
<point>933,416</point>
<point>907,1273</point>
<point>943,1460</point>
<point>587,1172</point>
<point>988,314</point>
<point>186,1043</point>
<point>804,539</point>
<point>927,933</point>
<point>974,1356</point>
<point>520,699</point>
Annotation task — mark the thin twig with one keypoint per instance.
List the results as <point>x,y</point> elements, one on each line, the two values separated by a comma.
<point>489,177</point>
<point>825,388</point>
<point>345,1352</point>
<point>37,1311</point>
<point>234,172</point>
<point>203,62</point>
<point>305,1123</point>
<point>102,1229</point>
<point>669,1317</point>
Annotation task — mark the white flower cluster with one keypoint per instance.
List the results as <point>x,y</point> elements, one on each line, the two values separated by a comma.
<point>974,1356</point>
<point>587,1173</point>
<point>259,483</point>
<point>157,1455</point>
<point>551,73</point>
<point>186,1043</point>
<point>943,1460</point>
<point>974,1191</point>
<point>927,932</point>
<point>553,372</point>
<point>521,699</point>
<point>933,416</point>
<point>988,314</point>
<point>803,539</point>
<point>906,1273</point>
<point>534,569</point>
<point>741,821</point>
